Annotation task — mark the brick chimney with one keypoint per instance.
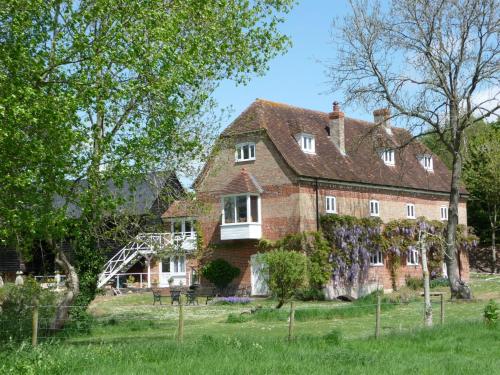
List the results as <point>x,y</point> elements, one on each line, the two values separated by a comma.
<point>382,117</point>
<point>337,127</point>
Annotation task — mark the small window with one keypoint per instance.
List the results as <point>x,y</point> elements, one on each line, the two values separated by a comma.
<point>165,265</point>
<point>331,205</point>
<point>377,259</point>
<point>306,143</point>
<point>374,208</point>
<point>245,151</point>
<point>426,161</point>
<point>410,211</point>
<point>412,257</point>
<point>444,213</point>
<point>388,157</point>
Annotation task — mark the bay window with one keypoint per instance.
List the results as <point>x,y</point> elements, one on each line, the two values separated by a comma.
<point>240,209</point>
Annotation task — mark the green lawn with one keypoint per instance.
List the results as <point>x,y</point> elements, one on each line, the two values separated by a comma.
<point>130,336</point>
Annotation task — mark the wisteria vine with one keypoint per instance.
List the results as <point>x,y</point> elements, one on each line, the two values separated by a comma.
<point>354,240</point>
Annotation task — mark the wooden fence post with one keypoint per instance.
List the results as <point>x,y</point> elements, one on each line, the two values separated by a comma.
<point>377,318</point>
<point>442,309</point>
<point>34,325</point>
<point>291,321</point>
<point>180,329</point>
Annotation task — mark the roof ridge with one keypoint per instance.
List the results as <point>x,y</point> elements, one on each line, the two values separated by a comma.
<point>266,101</point>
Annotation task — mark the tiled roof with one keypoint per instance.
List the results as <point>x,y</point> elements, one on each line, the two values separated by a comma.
<point>183,208</point>
<point>362,162</point>
<point>244,182</point>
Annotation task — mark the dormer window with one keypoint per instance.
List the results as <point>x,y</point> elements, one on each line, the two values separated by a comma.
<point>426,161</point>
<point>388,157</point>
<point>245,151</point>
<point>306,143</point>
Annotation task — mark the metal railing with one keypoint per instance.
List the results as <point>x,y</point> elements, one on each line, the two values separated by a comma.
<point>146,244</point>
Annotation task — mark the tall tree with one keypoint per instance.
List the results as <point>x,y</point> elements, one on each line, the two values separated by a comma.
<point>129,83</point>
<point>482,177</point>
<point>427,60</point>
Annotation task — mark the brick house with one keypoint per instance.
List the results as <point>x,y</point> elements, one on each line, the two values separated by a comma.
<point>279,167</point>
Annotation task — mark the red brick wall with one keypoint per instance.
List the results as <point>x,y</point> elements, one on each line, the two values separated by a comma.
<point>289,205</point>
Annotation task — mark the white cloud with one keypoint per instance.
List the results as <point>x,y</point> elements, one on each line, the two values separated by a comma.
<point>488,99</point>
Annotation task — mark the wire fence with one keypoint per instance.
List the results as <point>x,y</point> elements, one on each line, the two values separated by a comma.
<point>37,324</point>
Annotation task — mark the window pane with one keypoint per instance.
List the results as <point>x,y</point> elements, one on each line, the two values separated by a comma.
<point>181,264</point>
<point>240,152</point>
<point>176,264</point>
<point>188,226</point>
<point>252,151</point>
<point>177,226</point>
<point>241,208</point>
<point>229,210</point>
<point>245,152</point>
<point>254,208</point>
<point>165,265</point>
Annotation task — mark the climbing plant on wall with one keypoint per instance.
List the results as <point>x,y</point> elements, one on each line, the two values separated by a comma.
<point>353,240</point>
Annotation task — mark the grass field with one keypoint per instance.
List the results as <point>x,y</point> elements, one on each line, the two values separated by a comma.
<point>130,336</point>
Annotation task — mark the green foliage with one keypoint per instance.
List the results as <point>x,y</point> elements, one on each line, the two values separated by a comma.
<point>310,294</point>
<point>287,272</point>
<point>317,250</point>
<point>439,282</point>
<point>220,272</point>
<point>491,312</point>
<point>414,283</point>
<point>104,91</point>
<point>353,239</point>
<point>16,309</point>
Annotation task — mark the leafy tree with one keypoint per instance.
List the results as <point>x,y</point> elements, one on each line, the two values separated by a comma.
<point>482,177</point>
<point>101,90</point>
<point>287,273</point>
<point>428,61</point>
<point>220,273</point>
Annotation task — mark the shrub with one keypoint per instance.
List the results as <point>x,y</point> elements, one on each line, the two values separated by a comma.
<point>491,313</point>
<point>414,283</point>
<point>17,307</point>
<point>287,272</point>
<point>220,273</point>
<point>310,294</point>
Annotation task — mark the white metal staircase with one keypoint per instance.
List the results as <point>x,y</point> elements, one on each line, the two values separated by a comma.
<point>144,244</point>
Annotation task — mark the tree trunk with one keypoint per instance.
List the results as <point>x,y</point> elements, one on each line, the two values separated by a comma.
<point>427,287</point>
<point>493,240</point>
<point>73,289</point>
<point>458,288</point>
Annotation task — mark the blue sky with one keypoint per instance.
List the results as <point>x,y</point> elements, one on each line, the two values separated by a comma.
<point>298,77</point>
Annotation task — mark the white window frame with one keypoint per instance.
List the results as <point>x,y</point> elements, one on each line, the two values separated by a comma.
<point>183,221</point>
<point>239,154</point>
<point>410,211</point>
<point>175,262</point>
<point>330,204</point>
<point>427,162</point>
<point>377,259</point>
<point>412,257</point>
<point>388,157</point>
<point>374,204</point>
<point>444,212</point>
<point>249,214</point>
<point>307,143</point>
